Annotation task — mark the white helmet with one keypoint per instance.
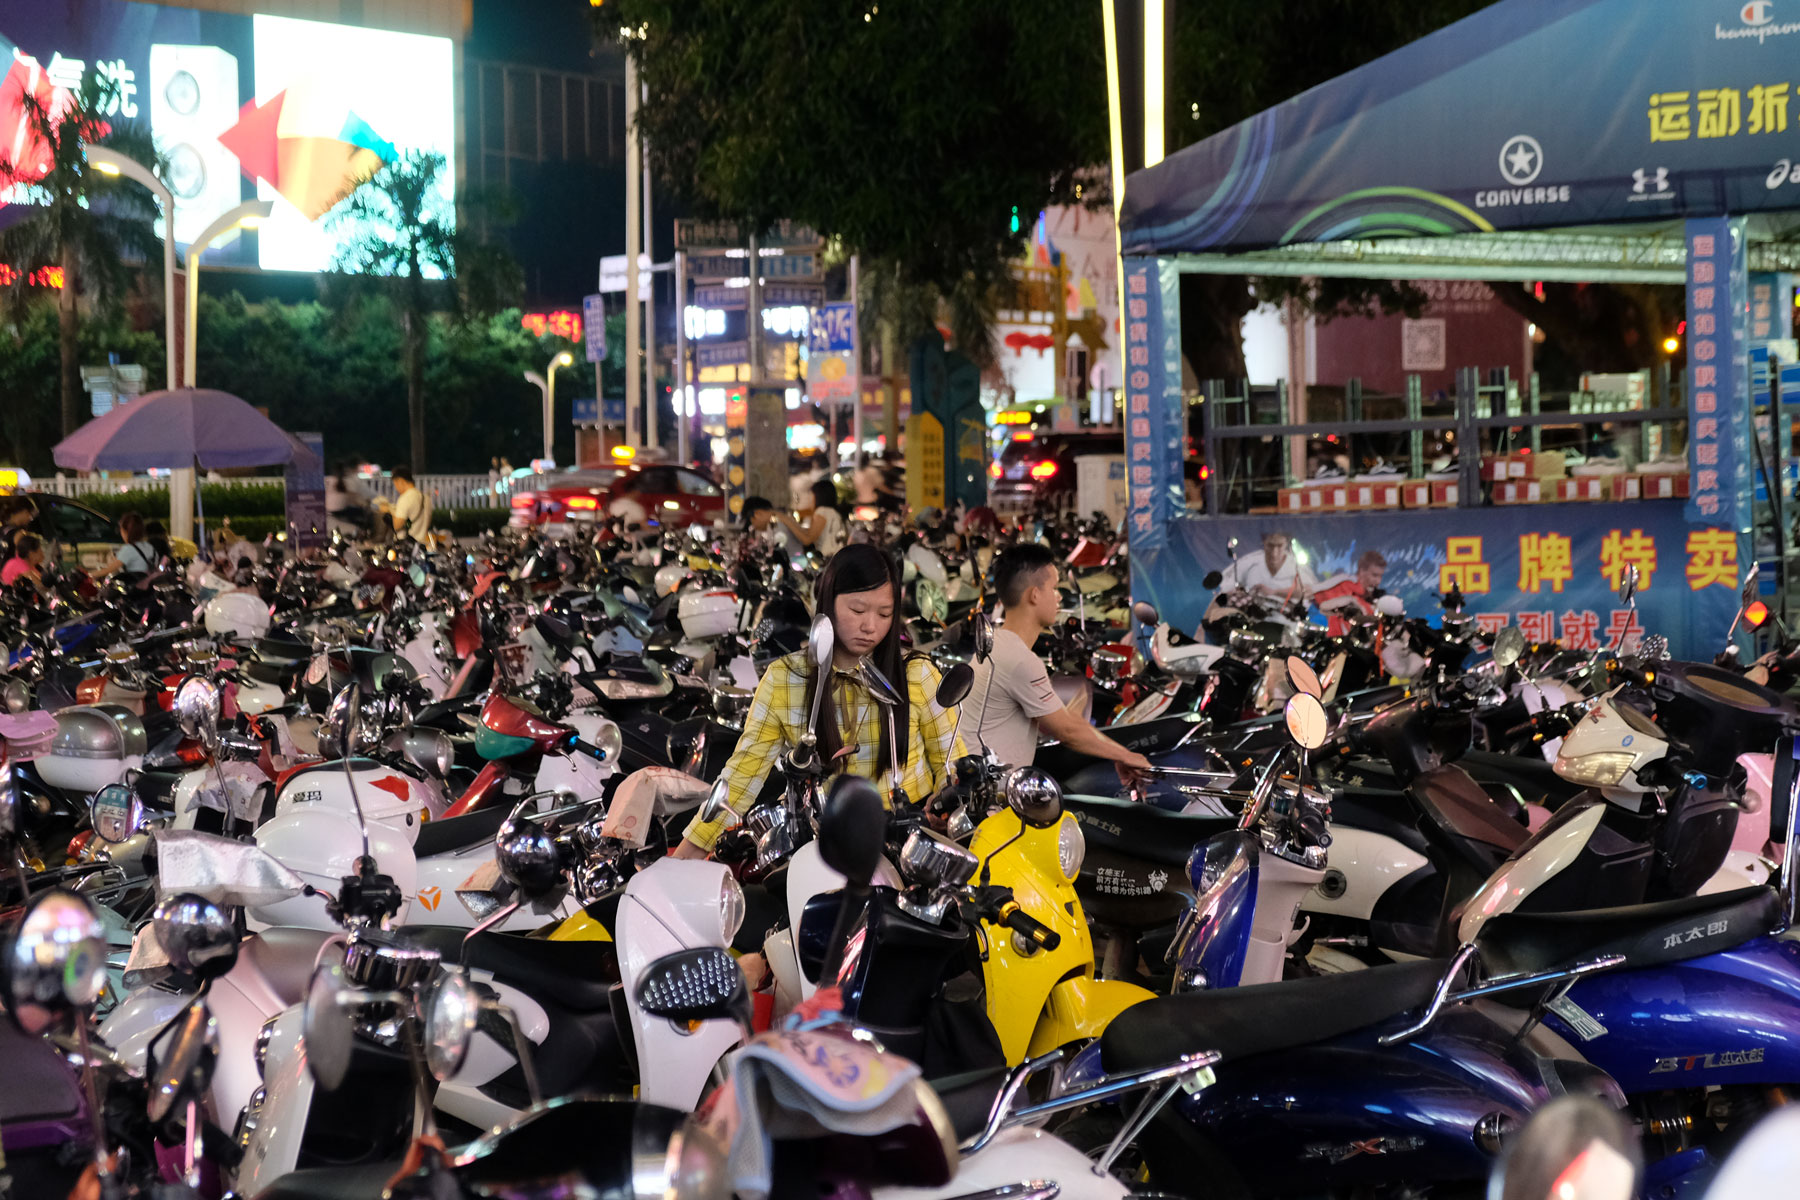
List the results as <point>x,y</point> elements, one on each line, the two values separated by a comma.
<point>668,579</point>
<point>709,613</point>
<point>237,614</point>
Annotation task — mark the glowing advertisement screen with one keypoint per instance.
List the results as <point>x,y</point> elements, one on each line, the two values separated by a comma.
<point>291,111</point>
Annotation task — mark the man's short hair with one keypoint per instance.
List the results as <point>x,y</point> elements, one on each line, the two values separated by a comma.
<point>403,473</point>
<point>1277,535</point>
<point>1371,558</point>
<point>1016,569</point>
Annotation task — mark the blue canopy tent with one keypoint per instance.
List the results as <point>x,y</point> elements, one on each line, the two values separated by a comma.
<point>1537,140</point>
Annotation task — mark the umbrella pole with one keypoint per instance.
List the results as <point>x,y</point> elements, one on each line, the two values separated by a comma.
<point>200,508</point>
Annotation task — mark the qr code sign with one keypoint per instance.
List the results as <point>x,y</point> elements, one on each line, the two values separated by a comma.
<point>1422,344</point>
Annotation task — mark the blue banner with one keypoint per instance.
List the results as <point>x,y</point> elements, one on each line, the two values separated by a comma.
<point>1527,114</point>
<point>1155,428</point>
<point>1551,569</point>
<point>1718,375</point>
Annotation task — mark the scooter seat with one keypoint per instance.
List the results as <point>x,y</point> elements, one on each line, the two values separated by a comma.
<point>458,833</point>
<point>968,1097</point>
<point>1646,934</point>
<point>577,975</point>
<point>332,1183</point>
<point>1241,1022</point>
<point>1142,830</point>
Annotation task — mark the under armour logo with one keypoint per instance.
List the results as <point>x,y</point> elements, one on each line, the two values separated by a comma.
<point>1641,180</point>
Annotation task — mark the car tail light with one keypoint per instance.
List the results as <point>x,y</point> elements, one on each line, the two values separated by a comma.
<point>1043,470</point>
<point>587,503</point>
<point>994,470</point>
<point>524,500</point>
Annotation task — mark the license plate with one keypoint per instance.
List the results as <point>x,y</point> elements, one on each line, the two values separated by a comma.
<point>1016,472</point>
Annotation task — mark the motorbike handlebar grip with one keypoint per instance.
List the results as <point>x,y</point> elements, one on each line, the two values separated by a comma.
<point>1019,921</point>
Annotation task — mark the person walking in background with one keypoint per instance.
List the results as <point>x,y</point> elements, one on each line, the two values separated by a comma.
<point>16,514</point>
<point>136,556</point>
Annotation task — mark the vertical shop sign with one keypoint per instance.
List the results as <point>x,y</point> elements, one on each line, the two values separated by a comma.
<point>1717,373</point>
<point>306,496</point>
<point>1154,422</point>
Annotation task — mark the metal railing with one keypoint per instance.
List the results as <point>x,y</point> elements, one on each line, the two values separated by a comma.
<point>446,491</point>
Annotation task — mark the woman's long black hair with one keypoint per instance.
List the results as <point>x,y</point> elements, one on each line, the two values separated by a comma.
<point>863,568</point>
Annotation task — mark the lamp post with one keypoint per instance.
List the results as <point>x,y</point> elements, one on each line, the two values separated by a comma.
<point>247,215</point>
<point>111,162</point>
<point>547,385</point>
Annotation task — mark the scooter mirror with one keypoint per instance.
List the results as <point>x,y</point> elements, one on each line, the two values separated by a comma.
<point>1034,794</point>
<point>820,641</point>
<point>1628,583</point>
<point>451,1010</point>
<point>430,750</point>
<point>342,719</point>
<point>181,1062</point>
<point>196,707</point>
<point>1231,545</point>
<point>1211,580</point>
<point>56,965</point>
<point>1306,720</point>
<point>1303,677</point>
<point>701,984</point>
<point>717,805</point>
<point>955,686</point>
<point>198,936</point>
<point>852,829</point>
<point>115,813</point>
<point>330,1034</point>
<point>1509,645</point>
<point>879,685</point>
<point>15,694</point>
<point>9,799</point>
<point>1144,612</point>
<point>984,636</point>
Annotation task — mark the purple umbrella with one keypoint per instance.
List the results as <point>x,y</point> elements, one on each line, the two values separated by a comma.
<point>176,429</point>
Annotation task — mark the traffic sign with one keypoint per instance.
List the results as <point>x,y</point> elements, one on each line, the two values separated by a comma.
<point>720,296</point>
<point>731,235</point>
<point>834,328</point>
<point>584,410</point>
<point>593,326</point>
<point>792,267</point>
<point>721,354</point>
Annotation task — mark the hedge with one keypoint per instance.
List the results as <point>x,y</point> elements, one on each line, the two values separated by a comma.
<point>254,500</point>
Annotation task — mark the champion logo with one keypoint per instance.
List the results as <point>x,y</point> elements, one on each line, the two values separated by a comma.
<point>1757,12</point>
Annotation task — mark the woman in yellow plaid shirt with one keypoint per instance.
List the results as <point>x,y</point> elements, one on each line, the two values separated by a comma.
<point>860,590</point>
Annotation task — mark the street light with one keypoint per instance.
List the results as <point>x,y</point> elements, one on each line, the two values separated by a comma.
<point>111,162</point>
<point>548,388</point>
<point>247,215</point>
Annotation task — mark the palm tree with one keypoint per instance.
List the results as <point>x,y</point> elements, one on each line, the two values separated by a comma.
<point>402,237</point>
<point>86,225</point>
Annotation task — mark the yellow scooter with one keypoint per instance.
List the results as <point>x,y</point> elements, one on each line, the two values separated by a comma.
<point>1038,999</point>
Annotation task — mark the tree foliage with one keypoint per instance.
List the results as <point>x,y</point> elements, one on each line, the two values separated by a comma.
<point>86,225</point>
<point>405,247</point>
<point>912,131</point>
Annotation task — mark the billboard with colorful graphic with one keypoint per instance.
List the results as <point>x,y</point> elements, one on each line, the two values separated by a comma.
<point>240,107</point>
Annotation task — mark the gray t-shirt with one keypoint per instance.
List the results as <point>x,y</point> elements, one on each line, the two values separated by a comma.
<point>1005,716</point>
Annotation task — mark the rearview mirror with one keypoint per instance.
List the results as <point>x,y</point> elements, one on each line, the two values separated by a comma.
<point>820,641</point>
<point>852,829</point>
<point>181,1062</point>
<point>984,636</point>
<point>1211,580</point>
<point>527,855</point>
<point>1509,645</point>
<point>341,719</point>
<point>196,707</point>
<point>1034,794</point>
<point>1303,677</point>
<point>56,965</point>
<point>717,805</point>
<point>115,813</point>
<point>1144,612</point>
<point>329,1033</point>
<point>450,1014</point>
<point>954,687</point>
<point>701,984</point>
<point>1306,720</point>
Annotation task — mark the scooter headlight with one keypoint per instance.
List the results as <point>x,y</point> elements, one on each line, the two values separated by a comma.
<point>1607,769</point>
<point>1071,847</point>
<point>731,907</point>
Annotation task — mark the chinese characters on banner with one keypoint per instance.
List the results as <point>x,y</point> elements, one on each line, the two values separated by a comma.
<point>1155,429</point>
<point>1771,305</point>
<point>1553,570</point>
<point>1717,374</point>
<point>562,323</point>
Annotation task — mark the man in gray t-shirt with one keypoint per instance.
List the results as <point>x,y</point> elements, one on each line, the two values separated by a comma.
<point>1012,700</point>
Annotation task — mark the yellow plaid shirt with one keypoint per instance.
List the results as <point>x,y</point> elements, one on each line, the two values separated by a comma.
<point>778,715</point>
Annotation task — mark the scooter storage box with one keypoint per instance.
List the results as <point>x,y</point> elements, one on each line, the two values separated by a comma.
<point>94,746</point>
<point>27,735</point>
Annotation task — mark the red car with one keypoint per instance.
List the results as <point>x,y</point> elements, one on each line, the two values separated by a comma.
<point>666,494</point>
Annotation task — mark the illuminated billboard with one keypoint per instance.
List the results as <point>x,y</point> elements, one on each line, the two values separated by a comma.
<point>288,110</point>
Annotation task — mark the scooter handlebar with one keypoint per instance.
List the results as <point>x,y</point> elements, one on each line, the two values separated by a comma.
<point>1021,922</point>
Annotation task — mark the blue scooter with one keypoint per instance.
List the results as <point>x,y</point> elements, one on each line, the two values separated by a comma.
<point>1329,1081</point>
